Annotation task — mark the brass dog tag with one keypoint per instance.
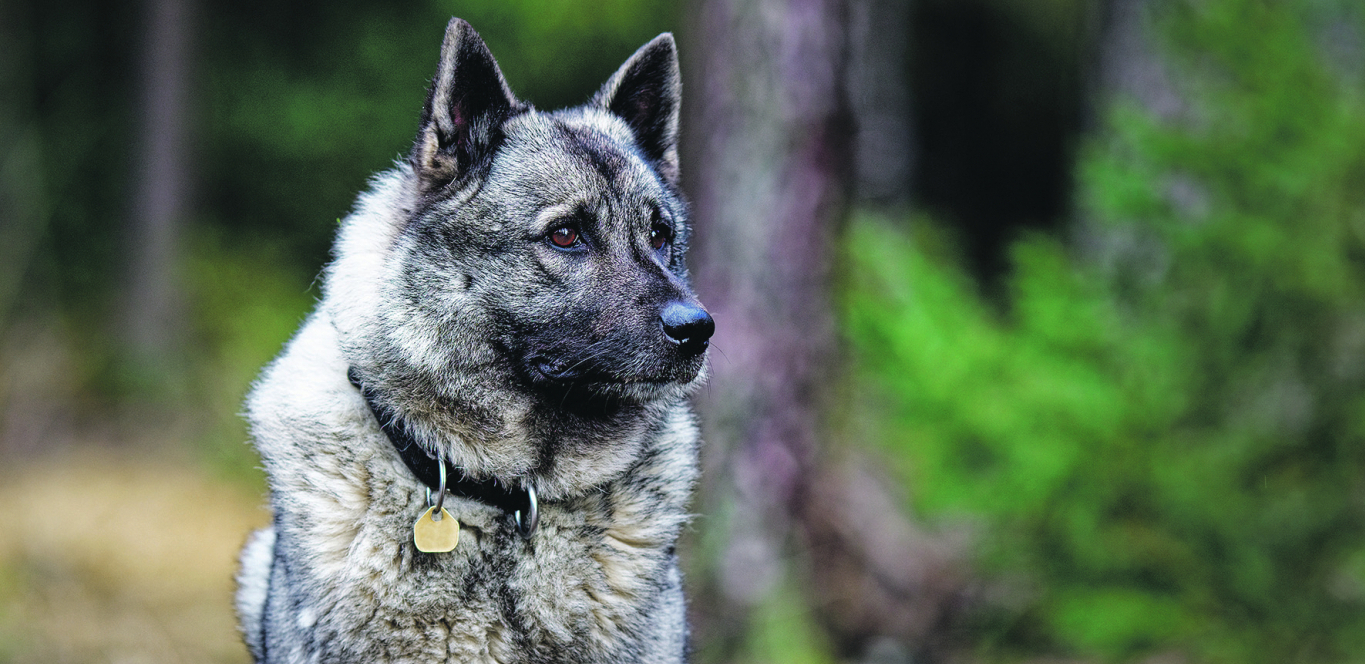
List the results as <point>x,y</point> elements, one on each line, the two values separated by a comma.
<point>433,534</point>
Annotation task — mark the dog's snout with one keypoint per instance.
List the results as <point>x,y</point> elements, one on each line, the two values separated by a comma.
<point>687,324</point>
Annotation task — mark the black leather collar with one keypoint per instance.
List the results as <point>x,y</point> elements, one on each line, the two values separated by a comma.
<point>518,503</point>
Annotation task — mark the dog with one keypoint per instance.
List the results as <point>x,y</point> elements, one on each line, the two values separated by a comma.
<point>500,363</point>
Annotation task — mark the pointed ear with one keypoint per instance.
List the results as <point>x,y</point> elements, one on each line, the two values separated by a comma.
<point>467,103</point>
<point>646,92</point>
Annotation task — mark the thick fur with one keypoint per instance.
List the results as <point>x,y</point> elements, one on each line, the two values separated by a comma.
<point>510,357</point>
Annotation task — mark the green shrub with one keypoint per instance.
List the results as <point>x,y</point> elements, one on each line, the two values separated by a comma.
<point>1164,435</point>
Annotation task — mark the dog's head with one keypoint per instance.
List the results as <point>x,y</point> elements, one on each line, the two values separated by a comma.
<point>517,289</point>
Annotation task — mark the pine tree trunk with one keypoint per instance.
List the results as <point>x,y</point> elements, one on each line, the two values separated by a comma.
<point>153,312</point>
<point>769,168</point>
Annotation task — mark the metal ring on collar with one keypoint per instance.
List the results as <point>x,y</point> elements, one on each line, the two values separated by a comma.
<point>440,493</point>
<point>530,518</point>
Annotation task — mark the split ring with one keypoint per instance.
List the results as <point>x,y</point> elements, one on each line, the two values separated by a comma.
<point>440,493</point>
<point>528,520</point>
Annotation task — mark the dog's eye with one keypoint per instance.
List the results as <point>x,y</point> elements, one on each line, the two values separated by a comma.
<point>564,237</point>
<point>660,235</point>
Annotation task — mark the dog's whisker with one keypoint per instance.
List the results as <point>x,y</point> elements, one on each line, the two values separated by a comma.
<point>722,352</point>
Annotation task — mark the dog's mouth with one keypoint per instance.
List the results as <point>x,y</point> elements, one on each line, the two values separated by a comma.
<point>564,372</point>
<point>587,389</point>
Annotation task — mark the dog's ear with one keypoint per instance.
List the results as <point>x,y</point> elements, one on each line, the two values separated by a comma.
<point>467,103</point>
<point>646,92</point>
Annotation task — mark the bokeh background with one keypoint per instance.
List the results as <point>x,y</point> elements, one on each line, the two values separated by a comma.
<point>1041,323</point>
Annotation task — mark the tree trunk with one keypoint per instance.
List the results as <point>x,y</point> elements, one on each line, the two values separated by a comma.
<point>24,209</point>
<point>879,94</point>
<point>1130,66</point>
<point>153,312</point>
<point>772,167</point>
<point>770,171</point>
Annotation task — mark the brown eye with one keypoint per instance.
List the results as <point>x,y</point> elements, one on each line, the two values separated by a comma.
<point>564,237</point>
<point>659,235</point>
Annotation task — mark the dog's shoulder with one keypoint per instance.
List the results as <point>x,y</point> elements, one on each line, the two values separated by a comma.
<point>303,397</point>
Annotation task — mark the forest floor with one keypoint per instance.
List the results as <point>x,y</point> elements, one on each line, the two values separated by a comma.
<point>120,554</point>
<point>118,531</point>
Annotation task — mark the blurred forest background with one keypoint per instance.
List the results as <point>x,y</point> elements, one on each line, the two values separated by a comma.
<point>1041,323</point>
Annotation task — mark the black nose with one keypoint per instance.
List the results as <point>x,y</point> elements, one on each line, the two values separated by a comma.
<point>687,324</point>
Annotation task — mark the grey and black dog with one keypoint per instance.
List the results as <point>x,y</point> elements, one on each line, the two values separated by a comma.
<point>507,312</point>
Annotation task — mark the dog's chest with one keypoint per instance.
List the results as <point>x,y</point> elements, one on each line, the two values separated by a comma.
<point>580,589</point>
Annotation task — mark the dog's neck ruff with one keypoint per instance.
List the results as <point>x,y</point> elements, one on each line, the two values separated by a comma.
<point>519,503</point>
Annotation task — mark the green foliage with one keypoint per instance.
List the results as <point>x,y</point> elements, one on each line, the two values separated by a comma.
<point>65,122</point>
<point>1164,434</point>
<point>783,630</point>
<point>246,305</point>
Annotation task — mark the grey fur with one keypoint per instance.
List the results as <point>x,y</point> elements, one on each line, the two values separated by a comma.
<point>509,357</point>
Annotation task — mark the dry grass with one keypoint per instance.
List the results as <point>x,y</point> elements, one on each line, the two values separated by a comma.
<point>119,557</point>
